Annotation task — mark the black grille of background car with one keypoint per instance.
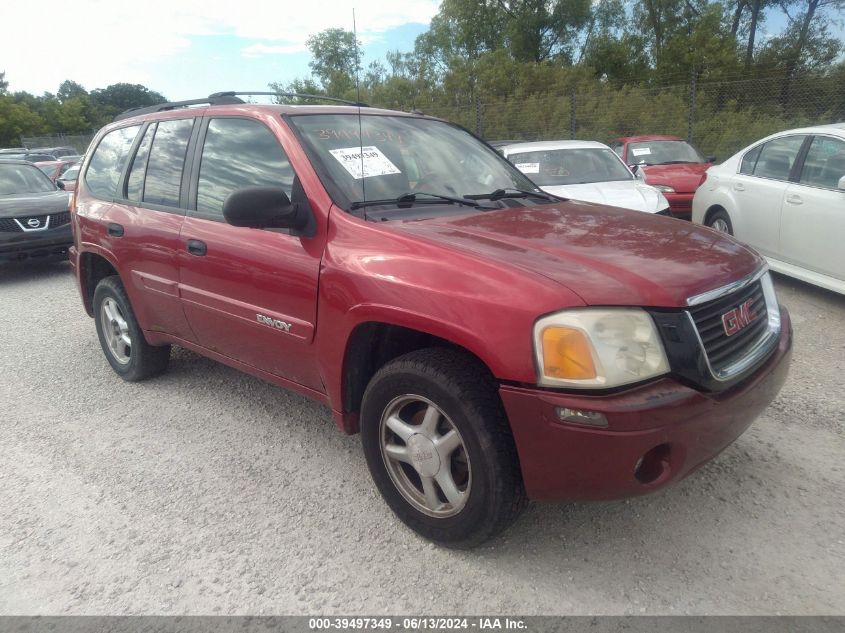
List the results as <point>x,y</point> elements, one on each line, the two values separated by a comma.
<point>723,350</point>
<point>8,225</point>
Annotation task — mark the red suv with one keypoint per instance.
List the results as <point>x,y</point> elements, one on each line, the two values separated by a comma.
<point>668,163</point>
<point>491,343</point>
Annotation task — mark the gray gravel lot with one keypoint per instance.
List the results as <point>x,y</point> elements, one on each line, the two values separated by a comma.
<point>208,491</point>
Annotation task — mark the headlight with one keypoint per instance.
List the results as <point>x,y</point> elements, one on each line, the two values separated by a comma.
<point>597,348</point>
<point>664,188</point>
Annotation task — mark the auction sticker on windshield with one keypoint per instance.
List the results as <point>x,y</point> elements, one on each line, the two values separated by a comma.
<point>640,151</point>
<point>528,168</point>
<point>364,162</point>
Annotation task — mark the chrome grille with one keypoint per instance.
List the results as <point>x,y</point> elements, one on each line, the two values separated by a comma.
<point>723,350</point>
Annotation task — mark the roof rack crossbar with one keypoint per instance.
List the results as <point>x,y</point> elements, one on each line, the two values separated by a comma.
<point>289,95</point>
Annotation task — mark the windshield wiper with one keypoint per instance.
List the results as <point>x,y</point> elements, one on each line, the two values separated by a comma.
<point>409,199</point>
<point>675,162</point>
<point>512,192</point>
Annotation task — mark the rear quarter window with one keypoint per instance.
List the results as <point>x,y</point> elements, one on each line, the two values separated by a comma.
<point>108,161</point>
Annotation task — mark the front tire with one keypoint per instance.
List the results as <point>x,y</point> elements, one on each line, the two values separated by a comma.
<point>439,447</point>
<point>121,338</point>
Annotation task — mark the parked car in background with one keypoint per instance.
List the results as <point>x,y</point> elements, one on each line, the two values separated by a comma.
<point>58,152</point>
<point>668,163</point>
<point>785,196</point>
<point>489,341</point>
<point>67,180</point>
<point>13,150</point>
<point>30,157</point>
<point>34,214</point>
<point>587,171</point>
<point>55,168</point>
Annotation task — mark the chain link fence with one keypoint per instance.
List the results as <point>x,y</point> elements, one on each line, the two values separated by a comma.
<point>718,117</point>
<point>79,142</point>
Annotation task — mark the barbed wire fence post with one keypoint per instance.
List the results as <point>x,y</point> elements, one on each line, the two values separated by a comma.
<point>573,120</point>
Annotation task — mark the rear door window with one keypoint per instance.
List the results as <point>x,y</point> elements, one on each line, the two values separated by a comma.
<point>163,182</point>
<point>135,182</point>
<point>108,161</point>
<point>778,156</point>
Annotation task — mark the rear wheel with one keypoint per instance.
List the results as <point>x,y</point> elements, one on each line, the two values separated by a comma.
<point>121,338</point>
<point>439,447</point>
<point>721,221</point>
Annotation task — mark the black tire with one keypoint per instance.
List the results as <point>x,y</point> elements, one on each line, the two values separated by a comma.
<point>465,393</point>
<point>720,215</point>
<point>144,360</point>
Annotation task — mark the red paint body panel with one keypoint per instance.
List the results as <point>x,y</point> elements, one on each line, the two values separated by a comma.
<point>569,462</point>
<point>608,256</point>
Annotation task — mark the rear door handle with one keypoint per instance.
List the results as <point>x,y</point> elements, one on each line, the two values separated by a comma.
<point>115,229</point>
<point>739,187</point>
<point>794,199</point>
<point>196,247</point>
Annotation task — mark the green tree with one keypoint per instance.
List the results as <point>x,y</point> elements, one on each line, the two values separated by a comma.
<point>334,59</point>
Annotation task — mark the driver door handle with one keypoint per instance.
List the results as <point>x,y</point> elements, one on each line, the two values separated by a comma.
<point>794,199</point>
<point>197,247</point>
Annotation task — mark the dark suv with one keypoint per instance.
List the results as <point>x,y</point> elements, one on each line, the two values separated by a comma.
<point>34,214</point>
<point>490,342</point>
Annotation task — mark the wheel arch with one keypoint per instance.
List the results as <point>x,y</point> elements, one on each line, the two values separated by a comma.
<point>373,344</point>
<point>94,267</point>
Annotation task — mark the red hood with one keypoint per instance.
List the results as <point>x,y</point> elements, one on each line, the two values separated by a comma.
<point>606,255</point>
<point>682,177</point>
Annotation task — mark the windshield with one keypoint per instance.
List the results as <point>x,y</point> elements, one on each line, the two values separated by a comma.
<point>574,166</point>
<point>662,152</point>
<point>70,174</point>
<point>23,179</point>
<point>401,155</point>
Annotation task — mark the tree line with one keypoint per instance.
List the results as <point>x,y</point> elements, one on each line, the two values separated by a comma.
<point>533,68</point>
<point>527,60</point>
<point>72,110</point>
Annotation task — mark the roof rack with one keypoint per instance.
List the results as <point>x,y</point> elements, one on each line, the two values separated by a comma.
<point>226,98</point>
<point>290,95</point>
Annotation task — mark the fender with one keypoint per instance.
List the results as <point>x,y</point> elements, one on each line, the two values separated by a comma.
<point>95,249</point>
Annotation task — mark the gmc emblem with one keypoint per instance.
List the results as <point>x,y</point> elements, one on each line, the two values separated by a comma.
<point>739,317</point>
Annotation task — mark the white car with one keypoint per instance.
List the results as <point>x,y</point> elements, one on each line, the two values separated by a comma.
<point>785,196</point>
<point>584,170</point>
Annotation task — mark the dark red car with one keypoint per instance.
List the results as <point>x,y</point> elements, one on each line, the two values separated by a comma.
<point>54,169</point>
<point>668,163</point>
<point>491,343</point>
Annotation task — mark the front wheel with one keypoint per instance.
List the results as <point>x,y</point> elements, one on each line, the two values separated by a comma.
<point>439,447</point>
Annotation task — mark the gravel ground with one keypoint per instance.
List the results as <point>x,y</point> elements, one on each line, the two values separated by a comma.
<point>207,491</point>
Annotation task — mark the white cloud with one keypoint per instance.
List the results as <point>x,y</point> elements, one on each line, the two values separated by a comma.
<point>99,42</point>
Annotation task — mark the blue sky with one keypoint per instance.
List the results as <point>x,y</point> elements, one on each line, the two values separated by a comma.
<point>187,49</point>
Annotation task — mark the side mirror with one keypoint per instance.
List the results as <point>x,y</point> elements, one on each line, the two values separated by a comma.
<point>60,184</point>
<point>262,208</point>
<point>711,159</point>
<point>841,184</point>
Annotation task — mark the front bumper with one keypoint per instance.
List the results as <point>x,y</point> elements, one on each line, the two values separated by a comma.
<point>50,244</point>
<point>656,434</point>
<point>680,204</point>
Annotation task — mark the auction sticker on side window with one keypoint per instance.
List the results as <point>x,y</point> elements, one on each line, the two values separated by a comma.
<point>528,168</point>
<point>364,162</point>
<point>640,151</point>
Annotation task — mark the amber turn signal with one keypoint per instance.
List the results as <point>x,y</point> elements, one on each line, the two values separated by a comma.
<point>567,354</point>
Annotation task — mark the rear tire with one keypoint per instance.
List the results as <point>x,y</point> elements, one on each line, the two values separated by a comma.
<point>439,447</point>
<point>721,221</point>
<point>121,338</point>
